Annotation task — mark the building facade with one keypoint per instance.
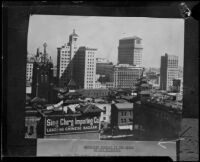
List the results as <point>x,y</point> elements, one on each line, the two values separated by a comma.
<point>126,76</point>
<point>84,67</point>
<point>130,51</point>
<point>157,119</point>
<point>29,74</point>
<point>168,71</point>
<point>29,70</point>
<point>43,80</point>
<point>64,56</point>
<point>122,115</point>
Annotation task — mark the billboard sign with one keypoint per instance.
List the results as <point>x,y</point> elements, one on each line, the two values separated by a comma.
<point>70,124</point>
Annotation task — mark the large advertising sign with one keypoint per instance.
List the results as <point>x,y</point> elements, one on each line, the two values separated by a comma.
<point>70,124</point>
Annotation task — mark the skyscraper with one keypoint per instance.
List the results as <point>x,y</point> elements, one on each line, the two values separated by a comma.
<point>84,67</point>
<point>130,51</point>
<point>64,55</point>
<point>168,71</point>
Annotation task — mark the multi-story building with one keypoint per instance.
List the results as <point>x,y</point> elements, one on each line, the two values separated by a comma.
<point>64,56</point>
<point>43,80</point>
<point>130,51</point>
<point>84,67</point>
<point>29,74</point>
<point>156,118</point>
<point>168,71</point>
<point>29,69</point>
<point>122,115</point>
<point>126,76</point>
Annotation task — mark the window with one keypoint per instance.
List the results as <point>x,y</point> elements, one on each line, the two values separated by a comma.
<point>104,118</point>
<point>122,120</point>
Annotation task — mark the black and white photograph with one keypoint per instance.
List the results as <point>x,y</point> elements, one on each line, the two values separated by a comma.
<point>105,85</point>
<point>116,78</point>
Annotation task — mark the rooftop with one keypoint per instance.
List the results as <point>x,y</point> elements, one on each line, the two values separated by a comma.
<point>122,106</point>
<point>127,66</point>
<point>87,48</point>
<point>90,109</point>
<point>134,37</point>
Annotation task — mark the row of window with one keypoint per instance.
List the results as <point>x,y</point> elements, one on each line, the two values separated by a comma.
<point>65,61</point>
<point>89,78</point>
<point>90,69</point>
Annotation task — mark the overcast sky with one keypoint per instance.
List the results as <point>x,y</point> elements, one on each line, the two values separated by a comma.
<point>159,35</point>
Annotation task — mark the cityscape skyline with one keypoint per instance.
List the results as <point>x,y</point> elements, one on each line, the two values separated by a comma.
<point>168,33</point>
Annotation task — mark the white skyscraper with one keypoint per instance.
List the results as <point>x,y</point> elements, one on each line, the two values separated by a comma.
<point>64,56</point>
<point>84,67</point>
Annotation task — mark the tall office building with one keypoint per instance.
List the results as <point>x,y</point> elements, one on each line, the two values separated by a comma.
<point>29,73</point>
<point>130,51</point>
<point>29,69</point>
<point>126,76</point>
<point>84,67</point>
<point>168,71</point>
<point>64,55</point>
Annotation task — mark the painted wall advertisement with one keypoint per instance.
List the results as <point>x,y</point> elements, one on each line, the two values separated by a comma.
<point>69,124</point>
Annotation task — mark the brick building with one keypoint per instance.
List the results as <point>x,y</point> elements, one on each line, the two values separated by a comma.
<point>122,116</point>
